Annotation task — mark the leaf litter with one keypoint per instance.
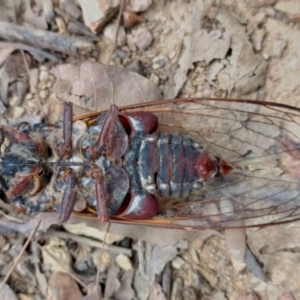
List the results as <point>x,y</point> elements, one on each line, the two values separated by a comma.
<point>198,49</point>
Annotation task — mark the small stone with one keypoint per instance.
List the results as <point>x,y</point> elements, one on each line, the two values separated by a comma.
<point>46,109</point>
<point>270,12</point>
<point>172,54</point>
<point>44,94</point>
<point>156,66</point>
<point>154,79</point>
<point>130,42</point>
<point>101,259</point>
<point>158,62</point>
<point>50,81</point>
<point>97,13</point>
<point>291,8</point>
<point>266,56</point>
<point>110,33</point>
<point>177,262</point>
<point>138,5</point>
<point>19,111</point>
<point>260,3</point>
<point>61,25</point>
<point>124,262</point>
<point>5,247</point>
<point>142,38</point>
<point>278,48</point>
<point>43,76</point>
<point>260,18</point>
<point>28,96</point>
<point>25,297</point>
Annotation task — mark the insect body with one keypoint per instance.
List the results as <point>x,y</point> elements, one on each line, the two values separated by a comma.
<point>120,164</point>
<point>194,163</point>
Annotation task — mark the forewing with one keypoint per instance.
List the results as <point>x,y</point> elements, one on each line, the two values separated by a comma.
<point>261,141</point>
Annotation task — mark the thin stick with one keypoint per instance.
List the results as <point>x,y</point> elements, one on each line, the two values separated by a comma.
<point>99,265</point>
<point>87,241</point>
<point>21,253</point>
<point>117,32</point>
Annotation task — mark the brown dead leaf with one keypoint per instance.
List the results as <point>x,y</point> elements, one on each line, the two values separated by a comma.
<point>208,46</point>
<point>63,287</point>
<point>156,257</point>
<point>157,293</point>
<point>7,293</point>
<point>93,86</point>
<point>245,71</point>
<point>125,291</point>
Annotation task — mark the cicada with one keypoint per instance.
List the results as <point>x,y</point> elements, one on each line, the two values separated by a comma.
<point>181,163</point>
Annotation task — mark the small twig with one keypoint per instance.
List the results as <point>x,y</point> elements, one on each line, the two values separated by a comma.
<point>117,32</point>
<point>101,252</point>
<point>84,29</point>
<point>66,268</point>
<point>87,241</point>
<point>42,39</point>
<point>21,253</point>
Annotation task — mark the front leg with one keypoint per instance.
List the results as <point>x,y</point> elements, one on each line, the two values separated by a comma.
<point>66,148</point>
<point>104,141</point>
<point>70,195</point>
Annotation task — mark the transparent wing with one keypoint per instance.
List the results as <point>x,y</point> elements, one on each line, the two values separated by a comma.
<point>261,140</point>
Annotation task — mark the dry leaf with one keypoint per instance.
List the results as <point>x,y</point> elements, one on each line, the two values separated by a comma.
<point>245,71</point>
<point>94,86</point>
<point>62,286</point>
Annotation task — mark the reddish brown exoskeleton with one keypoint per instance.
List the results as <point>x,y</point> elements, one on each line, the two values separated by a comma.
<point>183,163</point>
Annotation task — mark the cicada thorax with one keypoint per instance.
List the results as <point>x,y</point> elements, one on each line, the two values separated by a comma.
<point>132,173</point>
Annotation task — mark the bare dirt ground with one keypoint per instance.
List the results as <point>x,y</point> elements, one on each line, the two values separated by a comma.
<point>164,50</point>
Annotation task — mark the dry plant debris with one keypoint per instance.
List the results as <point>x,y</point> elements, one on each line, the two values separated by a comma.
<point>55,51</point>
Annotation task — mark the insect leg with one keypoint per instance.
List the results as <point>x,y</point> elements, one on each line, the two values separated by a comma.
<point>106,133</point>
<point>1,138</point>
<point>69,197</point>
<point>66,148</point>
<point>100,195</point>
<point>30,181</point>
<point>18,137</point>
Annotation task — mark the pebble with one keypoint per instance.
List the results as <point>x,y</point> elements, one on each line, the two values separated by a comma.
<point>130,42</point>
<point>158,62</point>
<point>19,111</point>
<point>177,262</point>
<point>289,7</point>
<point>138,5</point>
<point>50,81</point>
<point>44,94</point>
<point>278,48</point>
<point>172,54</point>
<point>142,38</point>
<point>266,56</point>
<point>28,96</point>
<point>124,262</point>
<point>110,33</point>
<point>260,18</point>
<point>154,79</point>
<point>43,76</point>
